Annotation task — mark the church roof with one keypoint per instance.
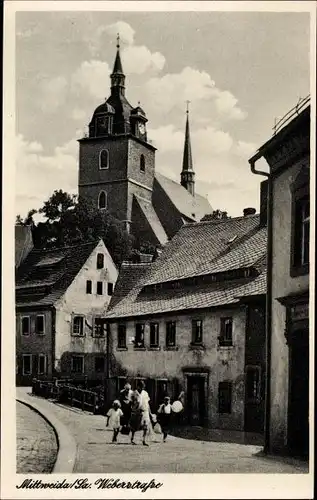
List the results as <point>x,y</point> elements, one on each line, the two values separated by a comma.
<point>197,249</point>
<point>117,67</point>
<point>191,207</point>
<point>45,275</point>
<point>149,213</point>
<point>187,156</point>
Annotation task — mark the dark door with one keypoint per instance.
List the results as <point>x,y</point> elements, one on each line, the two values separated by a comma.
<point>298,411</point>
<point>196,400</point>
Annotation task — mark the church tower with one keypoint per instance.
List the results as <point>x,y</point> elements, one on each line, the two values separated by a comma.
<point>188,174</point>
<point>116,161</point>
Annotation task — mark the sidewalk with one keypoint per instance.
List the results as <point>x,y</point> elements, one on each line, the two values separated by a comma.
<point>96,453</point>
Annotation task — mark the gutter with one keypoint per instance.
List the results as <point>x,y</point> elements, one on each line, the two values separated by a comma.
<point>268,312</point>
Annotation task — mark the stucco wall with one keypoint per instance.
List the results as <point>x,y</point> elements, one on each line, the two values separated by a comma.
<point>282,284</point>
<point>77,301</point>
<point>223,364</point>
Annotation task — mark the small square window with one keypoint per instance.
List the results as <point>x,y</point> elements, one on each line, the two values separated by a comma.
<point>122,336</point>
<point>225,338</point>
<point>100,260</point>
<point>171,334</point>
<point>42,364</point>
<point>139,335</point>
<point>197,331</point>
<point>99,327</point>
<point>27,364</point>
<point>154,335</point>
<point>89,286</point>
<point>99,364</point>
<point>78,325</point>
<point>25,325</point>
<point>110,288</point>
<point>99,288</point>
<point>224,397</point>
<point>77,364</point>
<point>40,324</point>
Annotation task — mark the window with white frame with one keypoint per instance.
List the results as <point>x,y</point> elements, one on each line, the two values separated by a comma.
<point>40,324</point>
<point>102,200</point>
<point>225,337</point>
<point>154,335</point>
<point>104,159</point>
<point>77,364</point>
<point>78,325</point>
<point>139,335</point>
<point>42,364</point>
<point>99,327</point>
<point>171,334</point>
<point>122,336</point>
<point>25,325</point>
<point>27,364</point>
<point>197,331</point>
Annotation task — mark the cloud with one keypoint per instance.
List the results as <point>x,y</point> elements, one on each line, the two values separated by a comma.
<point>93,77</point>
<point>52,93</point>
<point>245,149</point>
<point>139,59</point>
<point>226,104</point>
<point>56,171</point>
<point>125,31</point>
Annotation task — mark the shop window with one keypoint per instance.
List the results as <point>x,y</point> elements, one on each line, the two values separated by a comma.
<point>224,397</point>
<point>139,335</point>
<point>27,364</point>
<point>300,224</point>
<point>225,337</point>
<point>142,163</point>
<point>25,325</point>
<point>77,364</point>
<point>100,260</point>
<point>104,159</point>
<point>99,364</point>
<point>110,289</point>
<point>102,200</point>
<point>253,383</point>
<point>89,286</point>
<point>197,331</point>
<point>99,288</point>
<point>78,325</point>
<point>154,335</point>
<point>40,324</point>
<point>122,336</point>
<point>42,363</point>
<point>171,334</point>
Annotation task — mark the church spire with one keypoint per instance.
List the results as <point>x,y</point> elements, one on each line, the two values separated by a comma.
<point>117,76</point>
<point>188,174</point>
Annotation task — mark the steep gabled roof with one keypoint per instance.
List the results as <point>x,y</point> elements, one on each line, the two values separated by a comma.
<point>192,207</point>
<point>208,248</point>
<point>151,216</point>
<point>23,243</point>
<point>46,274</point>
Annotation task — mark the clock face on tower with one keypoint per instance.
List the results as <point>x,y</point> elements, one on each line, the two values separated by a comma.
<point>141,128</point>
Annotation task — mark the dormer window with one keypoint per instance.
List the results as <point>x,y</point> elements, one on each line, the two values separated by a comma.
<point>142,163</point>
<point>104,159</point>
<point>102,200</point>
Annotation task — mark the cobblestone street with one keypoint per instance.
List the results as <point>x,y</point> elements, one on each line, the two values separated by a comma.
<point>36,442</point>
<point>96,453</point>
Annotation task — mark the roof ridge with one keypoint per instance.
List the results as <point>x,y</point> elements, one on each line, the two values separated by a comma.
<point>68,247</point>
<point>222,221</point>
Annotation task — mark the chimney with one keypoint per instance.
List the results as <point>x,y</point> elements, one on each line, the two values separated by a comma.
<point>263,202</point>
<point>248,211</point>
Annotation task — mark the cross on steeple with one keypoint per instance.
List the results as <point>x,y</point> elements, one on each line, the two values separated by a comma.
<point>187,107</point>
<point>118,40</point>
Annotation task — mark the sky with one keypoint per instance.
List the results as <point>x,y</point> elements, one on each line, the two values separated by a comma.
<point>239,70</point>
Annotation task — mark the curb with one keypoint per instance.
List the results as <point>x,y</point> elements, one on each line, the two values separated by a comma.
<point>67,448</point>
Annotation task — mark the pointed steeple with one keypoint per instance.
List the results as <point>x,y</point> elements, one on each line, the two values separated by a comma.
<point>117,76</point>
<point>188,174</point>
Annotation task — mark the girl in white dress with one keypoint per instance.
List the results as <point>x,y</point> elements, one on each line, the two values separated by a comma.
<point>114,416</point>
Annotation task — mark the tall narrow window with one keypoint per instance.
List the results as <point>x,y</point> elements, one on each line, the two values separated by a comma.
<point>122,336</point>
<point>171,334</point>
<point>40,329</point>
<point>42,362</point>
<point>99,327</point>
<point>154,335</point>
<point>99,288</point>
<point>99,364</point>
<point>102,200</point>
<point>100,260</point>
<point>27,364</point>
<point>25,325</point>
<point>300,223</point>
<point>104,159</point>
<point>77,364</point>
<point>78,325</point>
<point>224,397</point>
<point>89,286</point>
<point>110,289</point>
<point>197,331</point>
<point>225,337</point>
<point>139,335</point>
<point>142,163</point>
<point>253,383</point>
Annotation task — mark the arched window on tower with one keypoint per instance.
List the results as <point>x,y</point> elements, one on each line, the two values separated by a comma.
<point>104,159</point>
<point>102,200</point>
<point>142,163</point>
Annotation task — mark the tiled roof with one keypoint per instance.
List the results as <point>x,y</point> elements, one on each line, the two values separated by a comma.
<point>151,216</point>
<point>192,207</point>
<point>23,243</point>
<point>46,274</point>
<point>197,249</point>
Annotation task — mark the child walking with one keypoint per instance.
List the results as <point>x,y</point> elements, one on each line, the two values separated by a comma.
<point>114,416</point>
<point>164,416</point>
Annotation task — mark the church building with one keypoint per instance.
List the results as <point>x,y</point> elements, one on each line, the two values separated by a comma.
<point>117,171</point>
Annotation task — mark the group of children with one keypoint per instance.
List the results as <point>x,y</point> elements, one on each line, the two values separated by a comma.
<point>131,412</point>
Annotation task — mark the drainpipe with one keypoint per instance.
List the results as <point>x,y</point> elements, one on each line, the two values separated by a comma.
<point>268,312</point>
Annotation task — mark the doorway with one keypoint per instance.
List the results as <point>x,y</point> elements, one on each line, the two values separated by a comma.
<point>298,409</point>
<point>196,399</point>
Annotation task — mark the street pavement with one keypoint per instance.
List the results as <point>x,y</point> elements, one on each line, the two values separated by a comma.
<point>36,442</point>
<point>96,453</point>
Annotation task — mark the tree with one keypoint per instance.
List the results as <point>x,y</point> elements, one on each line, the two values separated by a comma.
<point>28,221</point>
<point>216,214</point>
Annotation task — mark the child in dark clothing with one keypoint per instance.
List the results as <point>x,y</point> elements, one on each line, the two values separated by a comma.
<point>164,416</point>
